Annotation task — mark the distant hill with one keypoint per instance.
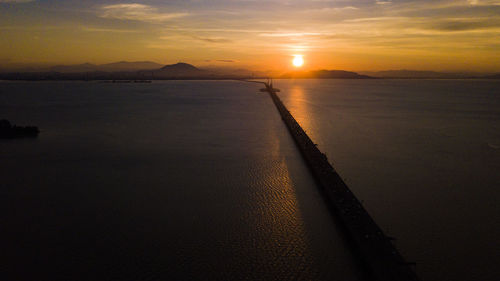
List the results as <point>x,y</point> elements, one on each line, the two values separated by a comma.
<point>86,67</point>
<point>181,70</point>
<point>129,66</point>
<point>110,67</point>
<point>325,74</point>
<point>414,74</point>
<point>150,70</point>
<point>122,71</point>
<point>338,74</point>
<point>494,76</point>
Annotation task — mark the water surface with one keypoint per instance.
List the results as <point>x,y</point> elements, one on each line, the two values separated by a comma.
<point>192,180</point>
<point>423,156</point>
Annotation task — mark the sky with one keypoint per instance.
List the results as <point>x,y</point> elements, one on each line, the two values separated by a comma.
<point>442,35</point>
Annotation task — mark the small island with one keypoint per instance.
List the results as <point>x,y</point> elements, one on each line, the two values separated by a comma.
<point>7,131</point>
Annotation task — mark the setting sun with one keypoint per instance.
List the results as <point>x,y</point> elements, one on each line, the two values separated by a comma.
<point>298,60</point>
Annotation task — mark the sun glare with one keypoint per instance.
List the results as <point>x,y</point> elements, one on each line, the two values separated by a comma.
<point>298,60</point>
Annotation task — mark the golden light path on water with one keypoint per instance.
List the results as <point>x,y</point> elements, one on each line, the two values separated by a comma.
<point>297,106</point>
<point>279,216</point>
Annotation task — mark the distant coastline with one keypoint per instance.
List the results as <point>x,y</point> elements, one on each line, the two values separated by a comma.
<point>142,71</point>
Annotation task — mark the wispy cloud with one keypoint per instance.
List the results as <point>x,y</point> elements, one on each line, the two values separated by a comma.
<point>112,30</point>
<point>289,34</point>
<point>138,12</point>
<point>465,24</point>
<point>32,28</point>
<point>190,37</point>
<point>226,61</point>
<point>211,39</point>
<point>376,19</point>
<point>16,1</point>
<point>336,9</point>
<point>363,31</point>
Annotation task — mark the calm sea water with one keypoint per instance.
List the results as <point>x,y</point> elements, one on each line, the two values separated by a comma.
<point>423,155</point>
<point>173,180</point>
<point>199,180</point>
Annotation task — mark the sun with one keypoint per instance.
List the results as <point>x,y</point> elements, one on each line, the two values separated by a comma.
<point>298,60</point>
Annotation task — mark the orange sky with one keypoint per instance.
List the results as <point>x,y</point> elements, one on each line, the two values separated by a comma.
<point>333,34</point>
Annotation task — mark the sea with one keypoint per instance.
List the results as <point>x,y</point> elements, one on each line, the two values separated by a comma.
<point>200,180</point>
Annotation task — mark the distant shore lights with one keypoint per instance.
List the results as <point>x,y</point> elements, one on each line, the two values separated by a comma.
<point>298,60</point>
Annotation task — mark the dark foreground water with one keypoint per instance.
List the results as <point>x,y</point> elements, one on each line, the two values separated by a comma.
<point>173,180</point>
<point>423,155</point>
<point>200,180</point>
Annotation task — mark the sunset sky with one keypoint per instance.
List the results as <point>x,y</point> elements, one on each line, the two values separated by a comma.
<point>449,35</point>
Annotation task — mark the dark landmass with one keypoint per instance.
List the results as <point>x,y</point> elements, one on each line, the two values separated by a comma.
<point>417,74</point>
<point>85,67</point>
<point>325,74</point>
<point>7,131</point>
<point>116,72</point>
<point>178,70</point>
<point>126,81</point>
<point>495,76</point>
<point>136,71</point>
<point>167,72</point>
<point>181,67</point>
<point>129,66</point>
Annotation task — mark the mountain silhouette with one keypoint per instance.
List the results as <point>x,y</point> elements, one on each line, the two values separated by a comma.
<point>85,67</point>
<point>495,76</point>
<point>129,66</point>
<point>421,74</point>
<point>180,70</point>
<point>181,67</point>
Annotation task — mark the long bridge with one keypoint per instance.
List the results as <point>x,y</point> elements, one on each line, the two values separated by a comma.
<point>381,259</point>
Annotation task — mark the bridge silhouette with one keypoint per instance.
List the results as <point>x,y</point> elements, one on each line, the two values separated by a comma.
<point>379,256</point>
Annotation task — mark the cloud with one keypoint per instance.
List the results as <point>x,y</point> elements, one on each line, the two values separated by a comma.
<point>16,1</point>
<point>227,61</point>
<point>113,30</point>
<point>138,12</point>
<point>32,28</point>
<point>211,39</point>
<point>336,9</point>
<point>190,37</point>
<point>289,34</point>
<point>377,19</point>
<point>465,25</point>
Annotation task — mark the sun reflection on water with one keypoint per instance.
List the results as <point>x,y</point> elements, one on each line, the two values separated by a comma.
<point>297,105</point>
<point>278,215</point>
